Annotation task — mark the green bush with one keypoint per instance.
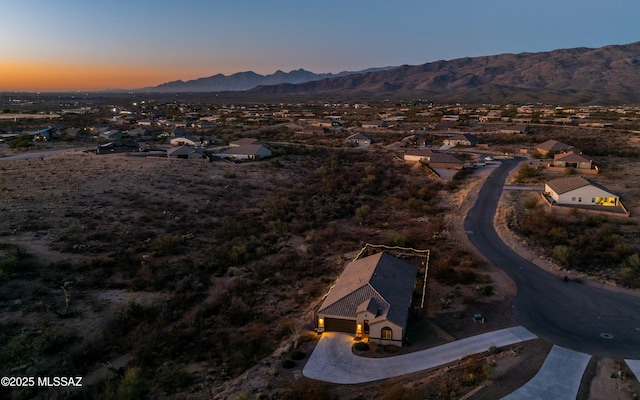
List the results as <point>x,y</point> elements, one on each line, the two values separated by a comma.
<point>361,346</point>
<point>21,142</point>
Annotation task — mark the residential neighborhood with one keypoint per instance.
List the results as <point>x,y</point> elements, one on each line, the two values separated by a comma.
<point>241,226</point>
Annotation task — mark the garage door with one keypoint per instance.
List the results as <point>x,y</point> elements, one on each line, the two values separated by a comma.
<point>340,325</point>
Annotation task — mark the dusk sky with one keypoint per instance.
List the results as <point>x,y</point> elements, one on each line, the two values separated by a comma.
<point>92,45</point>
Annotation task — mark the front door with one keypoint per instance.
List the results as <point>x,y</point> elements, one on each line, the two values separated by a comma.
<point>365,325</point>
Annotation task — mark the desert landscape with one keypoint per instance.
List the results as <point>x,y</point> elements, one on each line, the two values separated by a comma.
<point>174,278</point>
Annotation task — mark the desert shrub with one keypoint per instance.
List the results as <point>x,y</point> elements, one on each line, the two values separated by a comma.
<point>632,262</point>
<point>363,212</point>
<point>487,290</point>
<point>361,346</point>
<point>467,277</point>
<point>167,244</point>
<point>21,141</point>
<point>397,239</point>
<point>132,386</point>
<point>564,254</point>
<point>531,203</point>
<point>174,376</point>
<point>525,173</point>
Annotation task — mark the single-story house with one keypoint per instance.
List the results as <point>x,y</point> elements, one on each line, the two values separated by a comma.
<point>374,124</point>
<point>244,142</point>
<point>446,126</point>
<point>576,190</point>
<point>360,139</point>
<point>572,160</point>
<point>435,159</point>
<point>118,147</point>
<point>518,129</point>
<point>115,134</point>
<point>463,139</point>
<point>372,297</point>
<point>246,152</point>
<point>186,140</point>
<point>43,134</point>
<point>186,152</point>
<point>553,147</point>
<point>415,141</point>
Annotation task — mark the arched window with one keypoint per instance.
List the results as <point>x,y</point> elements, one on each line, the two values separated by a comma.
<point>386,333</point>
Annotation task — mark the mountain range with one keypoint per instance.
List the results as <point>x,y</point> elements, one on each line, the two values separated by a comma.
<point>605,75</point>
<point>248,80</point>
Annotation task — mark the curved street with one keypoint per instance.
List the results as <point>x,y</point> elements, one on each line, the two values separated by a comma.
<point>583,318</point>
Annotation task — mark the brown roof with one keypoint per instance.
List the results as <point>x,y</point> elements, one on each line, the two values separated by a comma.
<point>380,283</point>
<point>564,185</point>
<point>434,156</point>
<point>244,141</point>
<point>572,157</point>
<point>554,145</point>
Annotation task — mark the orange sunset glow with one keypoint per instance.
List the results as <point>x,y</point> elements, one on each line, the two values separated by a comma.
<point>49,76</point>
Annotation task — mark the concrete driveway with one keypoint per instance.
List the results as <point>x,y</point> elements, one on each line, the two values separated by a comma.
<point>558,378</point>
<point>333,361</point>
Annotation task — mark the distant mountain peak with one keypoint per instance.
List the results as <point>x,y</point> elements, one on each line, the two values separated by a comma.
<point>241,81</point>
<point>605,75</point>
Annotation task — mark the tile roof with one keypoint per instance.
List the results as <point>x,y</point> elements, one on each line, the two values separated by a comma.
<point>381,282</point>
<point>572,157</point>
<point>564,185</point>
<point>434,156</point>
<point>553,145</point>
<point>248,149</point>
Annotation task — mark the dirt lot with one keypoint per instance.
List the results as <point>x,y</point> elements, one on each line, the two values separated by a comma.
<point>107,258</point>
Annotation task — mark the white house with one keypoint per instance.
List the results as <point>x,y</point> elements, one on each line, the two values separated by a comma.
<point>372,297</point>
<point>576,190</point>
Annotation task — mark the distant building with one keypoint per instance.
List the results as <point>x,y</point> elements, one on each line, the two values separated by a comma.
<point>553,147</point>
<point>246,152</point>
<point>464,139</point>
<point>186,152</point>
<point>374,124</point>
<point>360,139</point>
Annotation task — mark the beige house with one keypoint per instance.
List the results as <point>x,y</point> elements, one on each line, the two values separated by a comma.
<point>435,159</point>
<point>553,147</point>
<point>371,298</point>
<point>360,139</point>
<point>463,139</point>
<point>576,190</point>
<point>572,160</point>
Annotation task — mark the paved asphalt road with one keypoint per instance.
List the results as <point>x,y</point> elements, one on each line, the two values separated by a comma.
<point>572,315</point>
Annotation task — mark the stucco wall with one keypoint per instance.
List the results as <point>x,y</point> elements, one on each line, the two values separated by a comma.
<point>375,333</point>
